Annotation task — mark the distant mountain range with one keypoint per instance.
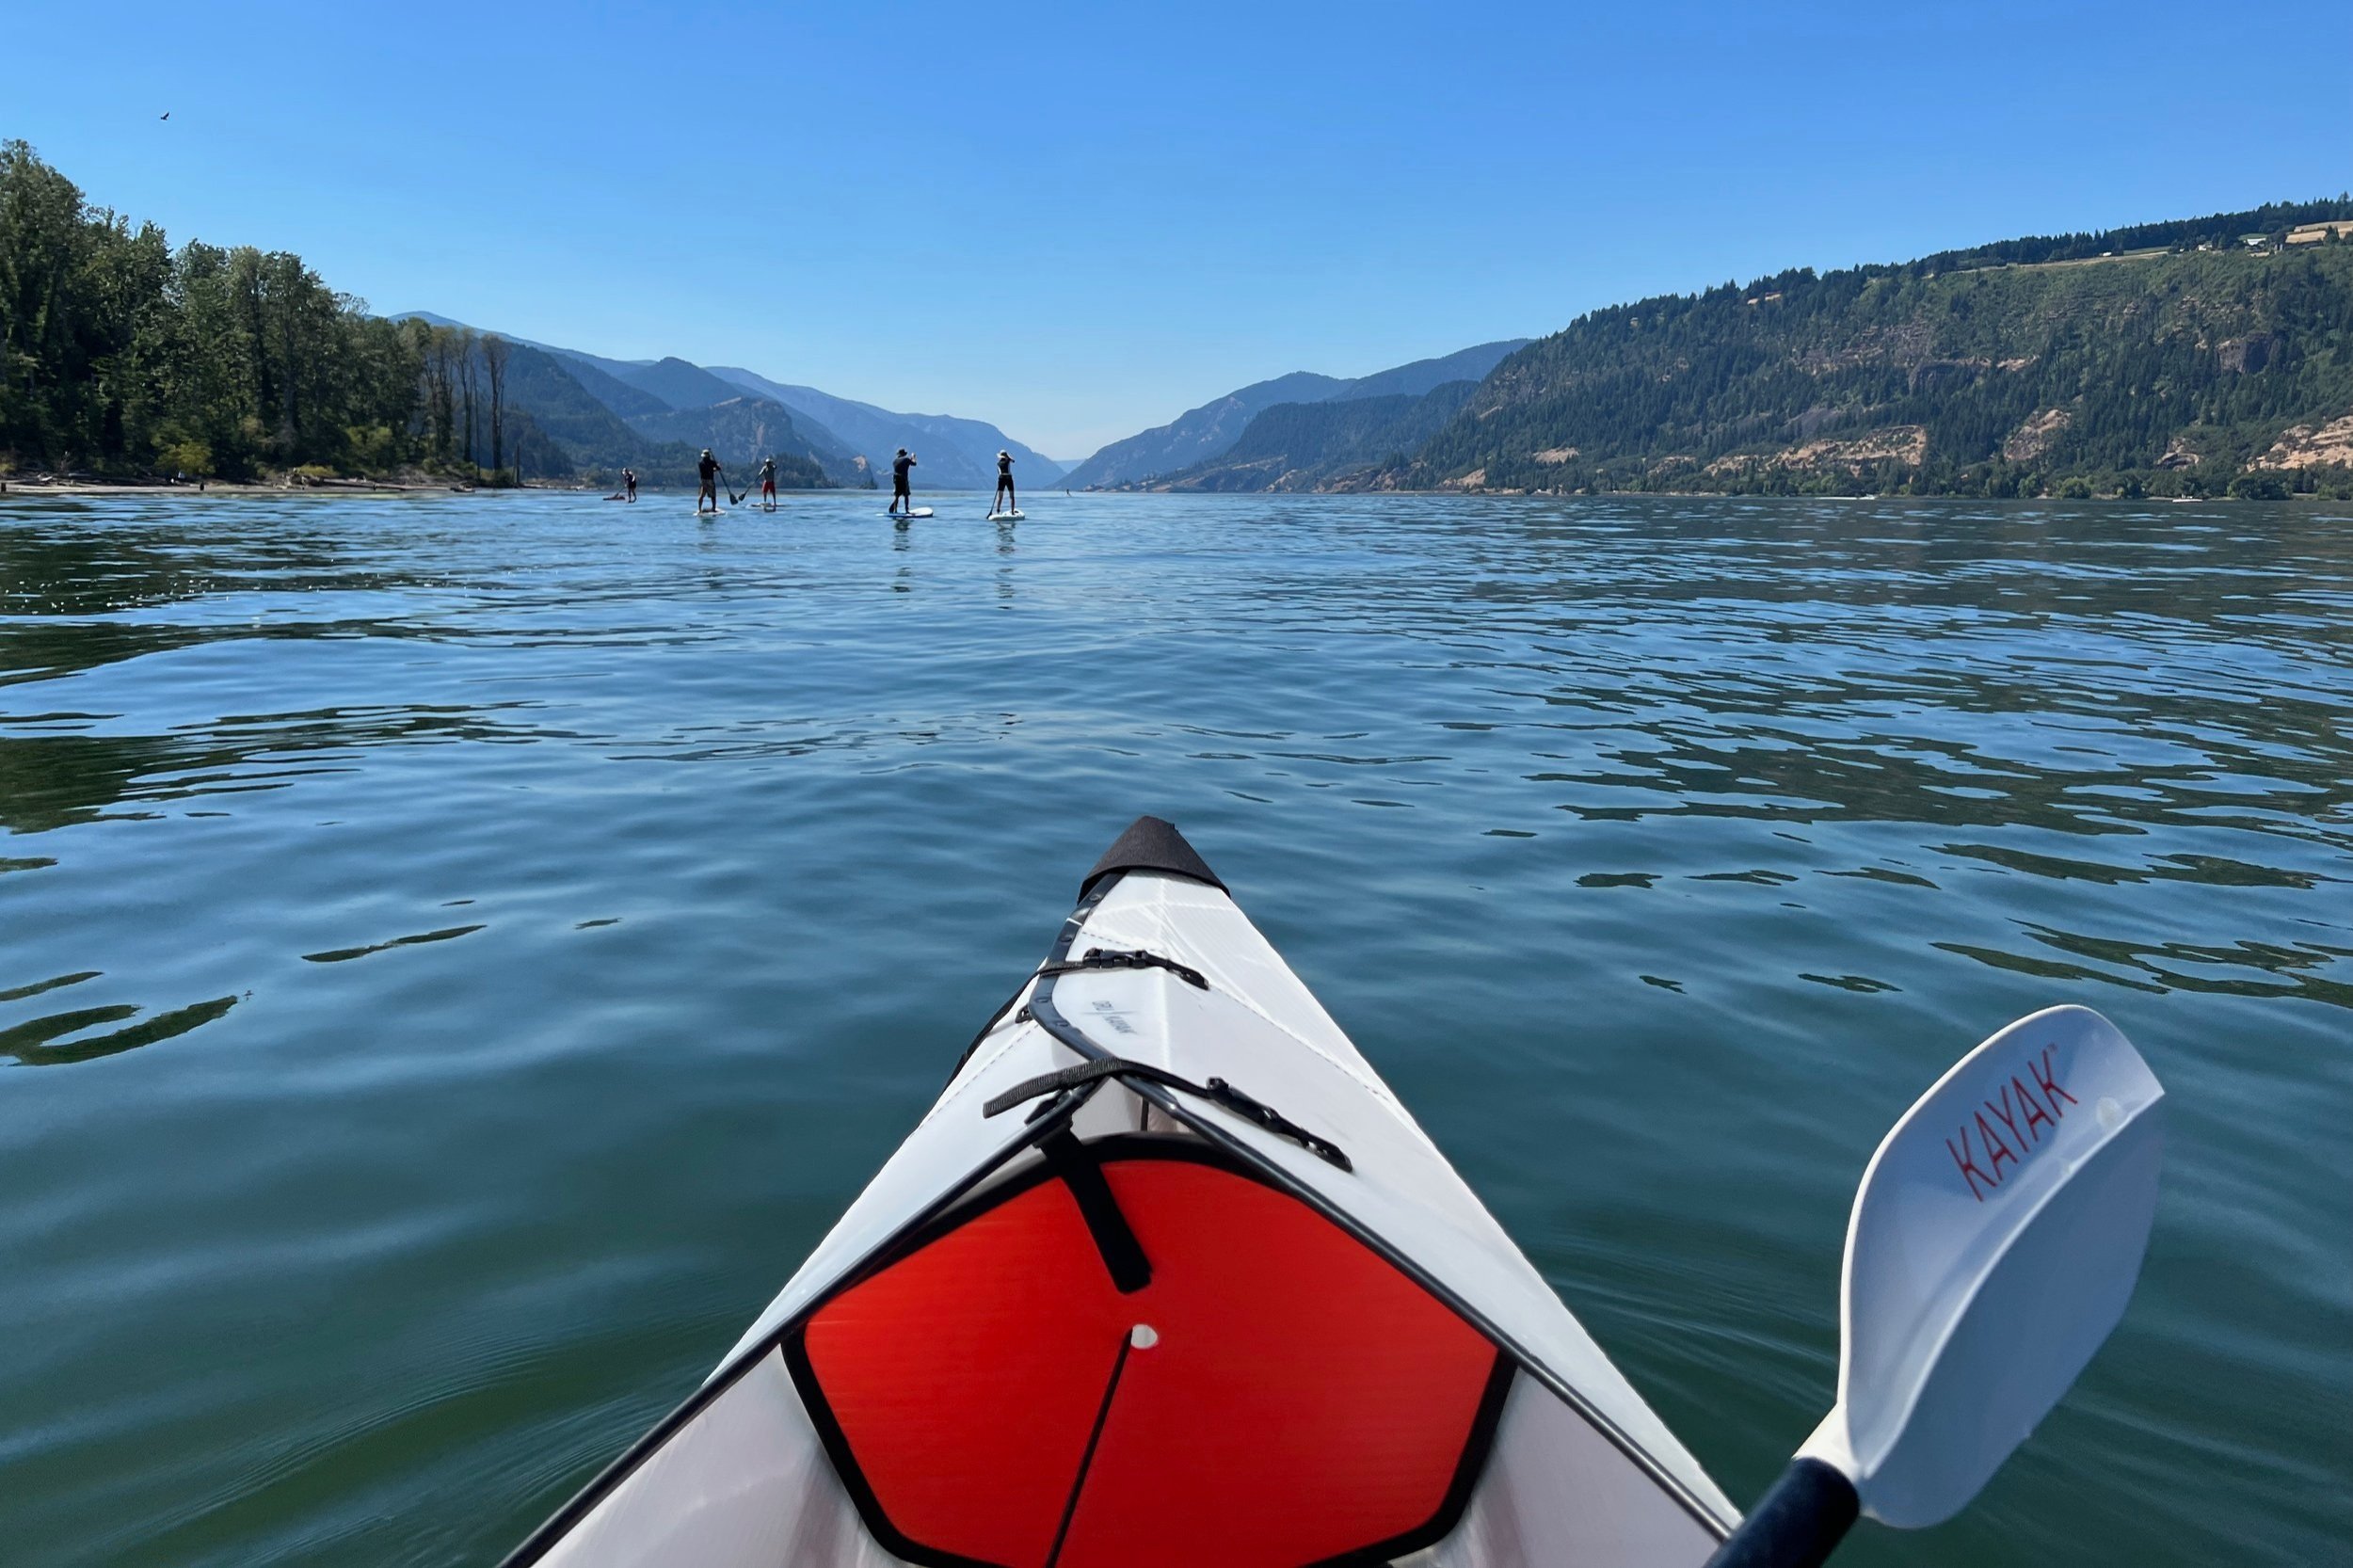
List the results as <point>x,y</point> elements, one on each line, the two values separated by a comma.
<point>657,415</point>
<point>1199,435</point>
<point>678,384</point>
<point>955,454</point>
<point>1306,446</point>
<point>2195,357</point>
<point>564,425</point>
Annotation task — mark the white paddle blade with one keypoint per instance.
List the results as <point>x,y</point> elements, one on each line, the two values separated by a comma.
<point>1994,1241</point>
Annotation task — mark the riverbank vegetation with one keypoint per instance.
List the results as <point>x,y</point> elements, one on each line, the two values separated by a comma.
<point>121,357</point>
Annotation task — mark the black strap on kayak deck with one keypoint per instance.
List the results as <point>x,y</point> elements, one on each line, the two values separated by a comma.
<point>1096,958</point>
<point>1117,958</point>
<point>1114,1238</point>
<point>1216,1091</point>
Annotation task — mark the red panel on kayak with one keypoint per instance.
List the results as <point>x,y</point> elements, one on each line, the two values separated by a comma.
<point>1300,1398</point>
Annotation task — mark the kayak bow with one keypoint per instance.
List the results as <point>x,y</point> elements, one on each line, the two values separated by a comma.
<point>1166,1276</point>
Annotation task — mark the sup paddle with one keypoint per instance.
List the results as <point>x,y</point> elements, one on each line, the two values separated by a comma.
<point>1994,1241</point>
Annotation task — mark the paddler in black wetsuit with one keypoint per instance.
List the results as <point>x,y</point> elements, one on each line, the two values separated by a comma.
<point>708,468</point>
<point>628,483</point>
<point>768,484</point>
<point>1004,484</point>
<point>899,491</point>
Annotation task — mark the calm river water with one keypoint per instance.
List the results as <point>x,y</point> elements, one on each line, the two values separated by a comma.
<point>457,955</point>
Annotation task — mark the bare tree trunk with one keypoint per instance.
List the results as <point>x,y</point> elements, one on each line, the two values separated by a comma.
<point>446,369</point>
<point>494,354</point>
<point>466,385</point>
<point>444,400</point>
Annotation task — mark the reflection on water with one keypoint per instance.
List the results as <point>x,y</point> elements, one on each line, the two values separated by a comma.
<point>61,768</point>
<point>1658,851</point>
<point>38,1042</point>
<point>340,954</point>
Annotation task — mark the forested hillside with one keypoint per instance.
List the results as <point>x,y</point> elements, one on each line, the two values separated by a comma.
<point>1302,446</point>
<point>1201,436</point>
<point>613,392</point>
<point>2226,368</point>
<point>1197,434</point>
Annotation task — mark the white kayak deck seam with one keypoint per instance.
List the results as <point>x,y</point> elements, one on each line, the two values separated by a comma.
<point>1225,987</point>
<point>1004,1040</point>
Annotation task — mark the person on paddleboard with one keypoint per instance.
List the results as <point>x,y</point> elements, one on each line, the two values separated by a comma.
<point>1004,502</point>
<point>899,489</point>
<point>628,483</point>
<point>708,467</point>
<point>768,483</point>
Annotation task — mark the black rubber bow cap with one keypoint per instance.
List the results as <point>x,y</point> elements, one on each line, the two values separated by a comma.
<point>1151,844</point>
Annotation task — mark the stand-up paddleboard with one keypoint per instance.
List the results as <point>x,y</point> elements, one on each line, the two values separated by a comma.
<point>1014,516</point>
<point>912,512</point>
<point>1168,1276</point>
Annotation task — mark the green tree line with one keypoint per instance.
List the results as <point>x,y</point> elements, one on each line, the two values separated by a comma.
<point>2216,232</point>
<point>119,354</point>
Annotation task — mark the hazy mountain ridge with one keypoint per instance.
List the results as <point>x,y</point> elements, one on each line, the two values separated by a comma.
<point>1197,434</point>
<point>1305,446</point>
<point>674,399</point>
<point>1422,376</point>
<point>570,401</point>
<point>542,386</point>
<point>619,396</point>
<point>744,429</point>
<point>588,437</point>
<point>1200,435</point>
<point>954,453</point>
<point>675,382</point>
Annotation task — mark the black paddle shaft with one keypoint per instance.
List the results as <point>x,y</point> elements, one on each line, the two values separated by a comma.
<point>1795,1524</point>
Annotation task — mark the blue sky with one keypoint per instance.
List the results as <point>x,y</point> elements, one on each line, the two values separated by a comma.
<point>1079,220</point>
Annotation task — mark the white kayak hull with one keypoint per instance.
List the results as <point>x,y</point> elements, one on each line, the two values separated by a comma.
<point>1166,1276</point>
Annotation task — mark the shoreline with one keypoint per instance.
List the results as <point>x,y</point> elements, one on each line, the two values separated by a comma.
<point>45,486</point>
<point>12,488</point>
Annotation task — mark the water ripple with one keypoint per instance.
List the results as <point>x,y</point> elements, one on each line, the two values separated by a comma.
<point>1660,851</point>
